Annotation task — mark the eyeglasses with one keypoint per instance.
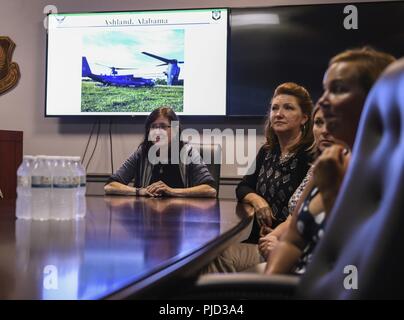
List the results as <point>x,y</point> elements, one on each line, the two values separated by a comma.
<point>162,126</point>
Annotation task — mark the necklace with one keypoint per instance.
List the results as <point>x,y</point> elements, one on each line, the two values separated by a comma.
<point>285,157</point>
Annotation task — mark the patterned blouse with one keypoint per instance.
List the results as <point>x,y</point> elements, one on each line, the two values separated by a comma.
<point>294,199</point>
<point>275,180</point>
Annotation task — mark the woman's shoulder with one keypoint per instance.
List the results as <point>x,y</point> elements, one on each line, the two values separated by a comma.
<point>266,151</point>
<point>261,155</point>
<point>137,154</point>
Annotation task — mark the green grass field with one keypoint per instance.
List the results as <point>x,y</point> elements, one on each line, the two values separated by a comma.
<point>120,99</point>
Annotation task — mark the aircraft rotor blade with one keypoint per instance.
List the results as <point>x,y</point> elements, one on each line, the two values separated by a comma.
<point>104,65</point>
<point>158,58</point>
<point>125,68</point>
<point>115,67</point>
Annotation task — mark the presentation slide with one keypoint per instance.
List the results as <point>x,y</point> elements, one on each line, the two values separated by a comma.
<point>129,63</point>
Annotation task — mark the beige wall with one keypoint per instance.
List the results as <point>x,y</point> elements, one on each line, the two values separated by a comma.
<point>23,107</point>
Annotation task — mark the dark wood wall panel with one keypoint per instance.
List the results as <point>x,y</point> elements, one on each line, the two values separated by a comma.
<point>10,159</point>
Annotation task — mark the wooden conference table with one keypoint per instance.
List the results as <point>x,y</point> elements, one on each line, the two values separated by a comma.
<point>122,248</point>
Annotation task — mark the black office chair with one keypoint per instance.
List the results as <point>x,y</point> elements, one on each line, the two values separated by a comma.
<point>363,240</point>
<point>211,155</point>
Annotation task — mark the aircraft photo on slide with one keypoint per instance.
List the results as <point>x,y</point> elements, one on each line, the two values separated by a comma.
<point>132,71</point>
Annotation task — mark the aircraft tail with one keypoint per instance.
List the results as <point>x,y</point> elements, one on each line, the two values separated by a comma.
<point>85,68</point>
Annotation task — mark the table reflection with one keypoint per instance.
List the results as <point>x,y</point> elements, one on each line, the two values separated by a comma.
<point>167,227</point>
<point>48,254</point>
<point>121,241</point>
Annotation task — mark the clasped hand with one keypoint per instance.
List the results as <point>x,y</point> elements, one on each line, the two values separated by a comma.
<point>264,218</point>
<point>157,189</point>
<point>330,167</point>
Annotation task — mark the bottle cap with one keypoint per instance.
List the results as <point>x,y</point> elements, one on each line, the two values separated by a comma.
<point>28,157</point>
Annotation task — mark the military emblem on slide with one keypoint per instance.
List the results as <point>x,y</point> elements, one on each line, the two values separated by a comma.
<point>216,14</point>
<point>9,71</point>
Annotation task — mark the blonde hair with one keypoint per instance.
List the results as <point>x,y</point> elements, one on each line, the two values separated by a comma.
<point>370,63</point>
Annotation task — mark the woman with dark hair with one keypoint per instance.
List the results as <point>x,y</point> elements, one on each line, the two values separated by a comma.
<point>158,169</point>
<point>279,168</point>
<point>347,82</point>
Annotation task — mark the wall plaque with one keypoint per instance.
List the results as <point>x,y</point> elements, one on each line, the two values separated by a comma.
<point>9,71</point>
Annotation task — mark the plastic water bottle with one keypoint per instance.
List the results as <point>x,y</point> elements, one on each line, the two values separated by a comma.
<point>75,184</point>
<point>41,184</point>
<point>24,194</point>
<point>63,189</point>
<point>81,192</point>
<point>54,162</point>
